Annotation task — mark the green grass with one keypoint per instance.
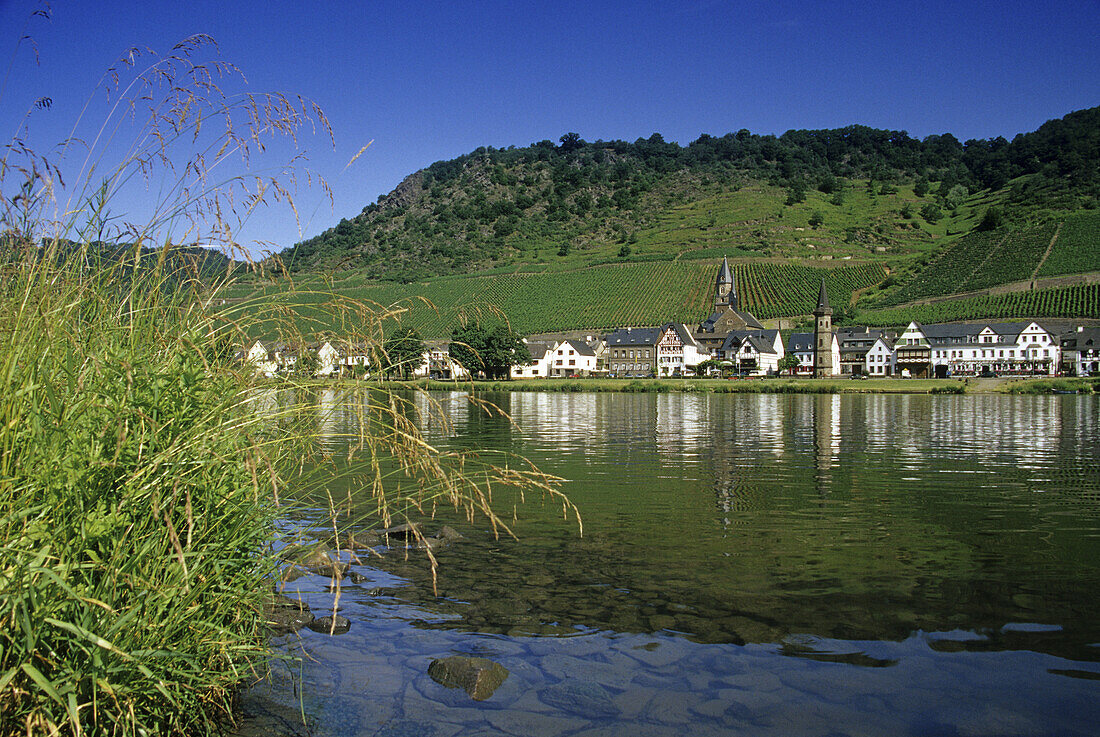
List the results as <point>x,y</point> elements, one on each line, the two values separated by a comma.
<point>134,508</point>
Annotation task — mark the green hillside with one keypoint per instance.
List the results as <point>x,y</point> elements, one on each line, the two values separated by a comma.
<point>596,235</point>
<point>842,192</point>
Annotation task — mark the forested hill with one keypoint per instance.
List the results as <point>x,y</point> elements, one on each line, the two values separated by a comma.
<point>600,201</point>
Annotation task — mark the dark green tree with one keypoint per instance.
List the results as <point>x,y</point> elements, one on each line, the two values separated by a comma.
<point>992,219</point>
<point>489,350</point>
<point>788,363</point>
<point>404,351</point>
<point>931,213</point>
<point>816,219</point>
<point>571,142</point>
<point>796,193</point>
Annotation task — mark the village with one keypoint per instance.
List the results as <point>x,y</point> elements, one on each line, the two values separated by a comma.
<point>732,342</point>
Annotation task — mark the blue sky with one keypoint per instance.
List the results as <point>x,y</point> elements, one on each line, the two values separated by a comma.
<point>430,81</point>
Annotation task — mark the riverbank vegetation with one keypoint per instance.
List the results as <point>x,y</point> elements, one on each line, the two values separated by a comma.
<point>142,468</point>
<point>781,385</point>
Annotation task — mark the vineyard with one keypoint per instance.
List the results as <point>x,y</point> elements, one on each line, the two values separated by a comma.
<point>979,261</point>
<point>604,297</point>
<point>1082,300</point>
<point>1077,248</point>
<point>1014,259</point>
<point>778,290</point>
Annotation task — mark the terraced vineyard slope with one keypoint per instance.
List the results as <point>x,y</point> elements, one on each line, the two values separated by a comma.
<point>602,297</point>
<point>1081,300</point>
<point>982,260</point>
<point>1077,248</point>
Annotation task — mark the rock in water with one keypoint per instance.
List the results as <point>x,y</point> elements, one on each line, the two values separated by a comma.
<point>330,625</point>
<point>478,677</point>
<point>284,615</point>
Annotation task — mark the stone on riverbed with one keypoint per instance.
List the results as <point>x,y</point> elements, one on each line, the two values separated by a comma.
<point>580,697</point>
<point>330,625</point>
<point>284,615</point>
<point>478,677</point>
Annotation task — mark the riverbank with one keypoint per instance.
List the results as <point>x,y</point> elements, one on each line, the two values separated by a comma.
<point>782,385</point>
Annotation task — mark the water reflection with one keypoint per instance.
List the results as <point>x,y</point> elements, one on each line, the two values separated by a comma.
<point>894,534</point>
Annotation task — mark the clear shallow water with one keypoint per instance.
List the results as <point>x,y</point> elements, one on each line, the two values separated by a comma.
<point>751,564</point>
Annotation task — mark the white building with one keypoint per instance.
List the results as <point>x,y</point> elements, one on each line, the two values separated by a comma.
<point>881,358</point>
<point>539,365</point>
<point>269,358</point>
<point>753,352</point>
<point>1081,352</point>
<point>678,353</point>
<point>437,363</point>
<point>571,358</point>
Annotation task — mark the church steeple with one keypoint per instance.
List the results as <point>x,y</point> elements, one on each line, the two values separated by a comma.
<point>725,291</point>
<point>823,301</point>
<point>823,336</point>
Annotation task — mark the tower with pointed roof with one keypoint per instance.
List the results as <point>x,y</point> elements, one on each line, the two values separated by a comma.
<point>823,335</point>
<point>725,291</point>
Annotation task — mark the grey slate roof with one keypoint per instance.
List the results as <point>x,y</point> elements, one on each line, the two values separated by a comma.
<point>634,337</point>
<point>822,300</point>
<point>582,349</point>
<point>762,340</point>
<point>800,342</point>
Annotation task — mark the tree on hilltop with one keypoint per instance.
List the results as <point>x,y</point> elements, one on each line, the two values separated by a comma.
<point>571,142</point>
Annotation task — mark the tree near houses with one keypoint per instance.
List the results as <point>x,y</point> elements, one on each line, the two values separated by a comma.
<point>404,351</point>
<point>788,363</point>
<point>489,350</point>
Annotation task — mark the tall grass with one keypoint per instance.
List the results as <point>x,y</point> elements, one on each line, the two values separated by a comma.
<point>140,473</point>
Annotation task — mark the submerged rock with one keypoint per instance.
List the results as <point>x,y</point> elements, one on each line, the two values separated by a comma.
<point>292,573</point>
<point>362,539</point>
<point>308,555</point>
<point>330,625</point>
<point>284,615</point>
<point>400,533</point>
<point>329,567</point>
<point>478,677</point>
<point>580,697</point>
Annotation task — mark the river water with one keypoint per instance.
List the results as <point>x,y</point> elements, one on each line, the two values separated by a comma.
<point>749,565</point>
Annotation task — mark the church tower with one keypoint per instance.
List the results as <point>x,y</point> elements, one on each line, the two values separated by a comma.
<point>725,292</point>
<point>823,335</point>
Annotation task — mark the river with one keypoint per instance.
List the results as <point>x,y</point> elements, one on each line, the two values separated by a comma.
<point>750,564</point>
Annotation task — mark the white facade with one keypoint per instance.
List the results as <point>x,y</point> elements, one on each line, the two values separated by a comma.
<point>329,360</point>
<point>268,359</point>
<point>436,363</point>
<point>998,349</point>
<point>677,351</point>
<point>880,359</point>
<point>571,358</point>
<point>538,367</point>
